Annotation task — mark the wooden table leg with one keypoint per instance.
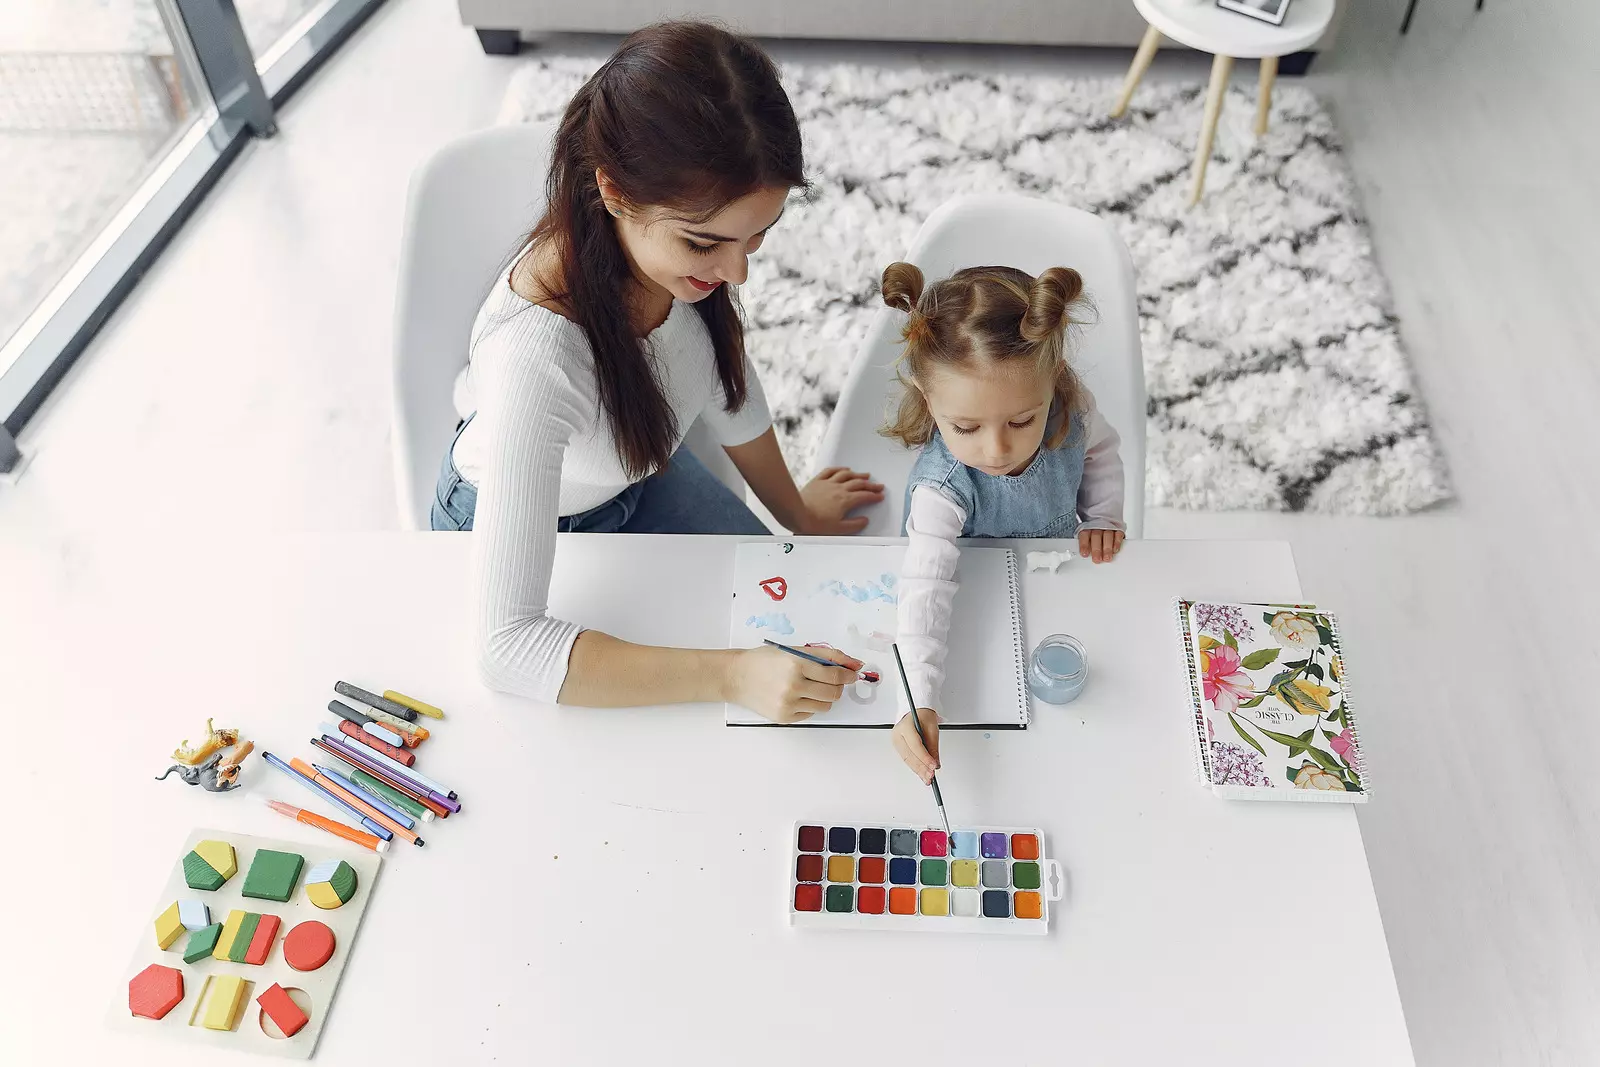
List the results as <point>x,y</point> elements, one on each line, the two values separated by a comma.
<point>1269,74</point>
<point>1141,63</point>
<point>1405,23</point>
<point>1221,68</point>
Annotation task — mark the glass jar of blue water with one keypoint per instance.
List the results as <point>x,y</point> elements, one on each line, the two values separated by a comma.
<point>1058,669</point>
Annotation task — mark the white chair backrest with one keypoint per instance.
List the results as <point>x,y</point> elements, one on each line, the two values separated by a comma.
<point>1031,235</point>
<point>466,210</point>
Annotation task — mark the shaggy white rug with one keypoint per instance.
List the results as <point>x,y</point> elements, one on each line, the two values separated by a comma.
<point>1274,367</point>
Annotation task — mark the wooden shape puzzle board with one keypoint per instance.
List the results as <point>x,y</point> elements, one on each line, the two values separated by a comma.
<point>320,985</point>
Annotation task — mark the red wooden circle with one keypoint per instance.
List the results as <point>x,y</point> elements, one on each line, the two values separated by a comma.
<point>308,946</point>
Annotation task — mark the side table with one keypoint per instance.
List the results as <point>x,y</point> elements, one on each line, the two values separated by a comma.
<point>1228,35</point>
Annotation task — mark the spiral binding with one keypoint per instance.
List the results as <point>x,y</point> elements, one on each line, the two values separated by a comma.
<point>1024,705</point>
<point>1192,667</point>
<point>1202,757</point>
<point>1344,696</point>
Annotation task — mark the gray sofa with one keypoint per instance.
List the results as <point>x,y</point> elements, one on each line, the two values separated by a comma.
<point>503,25</point>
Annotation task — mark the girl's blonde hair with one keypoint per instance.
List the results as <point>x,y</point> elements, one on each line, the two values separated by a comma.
<point>983,315</point>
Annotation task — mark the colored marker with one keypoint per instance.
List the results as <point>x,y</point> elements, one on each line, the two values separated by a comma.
<point>378,802</point>
<point>404,771</point>
<point>311,783</point>
<point>333,826</point>
<point>353,759</point>
<point>373,700</point>
<point>367,760</point>
<point>420,782</point>
<point>404,801</point>
<point>413,703</point>
<point>360,805</point>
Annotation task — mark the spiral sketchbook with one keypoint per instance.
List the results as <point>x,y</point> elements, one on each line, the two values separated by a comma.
<point>1270,696</point>
<point>846,596</point>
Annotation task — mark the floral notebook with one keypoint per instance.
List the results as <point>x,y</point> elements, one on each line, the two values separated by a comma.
<point>1272,716</point>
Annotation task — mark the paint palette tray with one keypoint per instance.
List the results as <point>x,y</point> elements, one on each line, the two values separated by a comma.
<point>879,876</point>
<point>243,905</point>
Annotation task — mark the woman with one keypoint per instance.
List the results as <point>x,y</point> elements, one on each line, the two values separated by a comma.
<point>612,332</point>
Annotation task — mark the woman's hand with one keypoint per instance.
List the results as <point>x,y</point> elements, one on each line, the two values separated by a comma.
<point>785,688</point>
<point>831,496</point>
<point>1100,545</point>
<point>923,761</point>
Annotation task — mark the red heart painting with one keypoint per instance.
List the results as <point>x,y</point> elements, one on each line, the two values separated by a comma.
<point>776,588</point>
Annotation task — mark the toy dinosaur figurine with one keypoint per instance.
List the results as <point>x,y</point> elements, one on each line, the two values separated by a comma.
<point>207,765</point>
<point>215,741</point>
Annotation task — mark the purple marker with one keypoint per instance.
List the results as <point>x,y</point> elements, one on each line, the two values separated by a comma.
<point>410,772</point>
<point>369,760</point>
<point>379,830</point>
<point>367,795</point>
<point>355,758</point>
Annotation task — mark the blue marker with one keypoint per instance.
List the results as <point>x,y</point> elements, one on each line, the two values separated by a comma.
<point>378,802</point>
<point>372,827</point>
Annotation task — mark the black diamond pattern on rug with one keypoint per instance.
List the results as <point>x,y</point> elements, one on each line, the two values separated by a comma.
<point>1273,360</point>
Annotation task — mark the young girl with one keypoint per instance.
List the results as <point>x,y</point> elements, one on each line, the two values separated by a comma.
<point>1012,446</point>
<point>614,330</point>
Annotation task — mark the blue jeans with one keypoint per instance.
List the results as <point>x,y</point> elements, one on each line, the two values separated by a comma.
<point>683,498</point>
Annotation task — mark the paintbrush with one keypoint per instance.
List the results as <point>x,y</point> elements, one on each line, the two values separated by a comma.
<point>916,720</point>
<point>866,676</point>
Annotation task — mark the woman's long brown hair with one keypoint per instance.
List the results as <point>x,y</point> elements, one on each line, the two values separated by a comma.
<point>686,116</point>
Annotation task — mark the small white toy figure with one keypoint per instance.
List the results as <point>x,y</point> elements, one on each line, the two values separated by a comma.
<point>1047,561</point>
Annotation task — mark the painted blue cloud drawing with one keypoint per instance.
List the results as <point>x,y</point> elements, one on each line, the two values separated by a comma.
<point>776,621</point>
<point>860,594</point>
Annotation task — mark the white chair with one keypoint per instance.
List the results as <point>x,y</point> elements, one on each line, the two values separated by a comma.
<point>467,207</point>
<point>1030,235</point>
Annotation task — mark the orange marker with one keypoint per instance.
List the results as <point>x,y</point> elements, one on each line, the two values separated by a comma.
<point>333,826</point>
<point>354,801</point>
<point>383,776</point>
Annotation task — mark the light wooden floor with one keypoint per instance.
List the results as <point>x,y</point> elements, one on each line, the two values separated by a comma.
<point>245,383</point>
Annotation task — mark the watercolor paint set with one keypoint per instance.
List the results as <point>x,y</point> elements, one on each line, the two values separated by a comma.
<point>879,876</point>
<point>246,943</point>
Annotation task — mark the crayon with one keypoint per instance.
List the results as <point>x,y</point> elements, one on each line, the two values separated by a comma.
<point>413,703</point>
<point>359,734</point>
<point>373,700</point>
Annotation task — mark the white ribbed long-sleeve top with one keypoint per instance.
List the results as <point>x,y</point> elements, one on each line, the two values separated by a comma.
<point>540,447</point>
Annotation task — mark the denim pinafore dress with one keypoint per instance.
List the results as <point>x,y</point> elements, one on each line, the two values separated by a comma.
<point>1042,501</point>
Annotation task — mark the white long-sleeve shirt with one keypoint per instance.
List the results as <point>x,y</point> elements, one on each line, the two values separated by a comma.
<point>928,574</point>
<point>541,447</point>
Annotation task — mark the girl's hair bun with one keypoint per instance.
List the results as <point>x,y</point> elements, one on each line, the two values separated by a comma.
<point>902,286</point>
<point>1049,302</point>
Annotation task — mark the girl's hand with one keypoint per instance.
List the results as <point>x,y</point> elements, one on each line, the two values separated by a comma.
<point>785,688</point>
<point>831,496</point>
<point>922,761</point>
<point>1099,544</point>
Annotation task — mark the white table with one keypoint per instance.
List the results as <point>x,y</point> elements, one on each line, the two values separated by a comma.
<point>1228,35</point>
<point>614,889</point>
